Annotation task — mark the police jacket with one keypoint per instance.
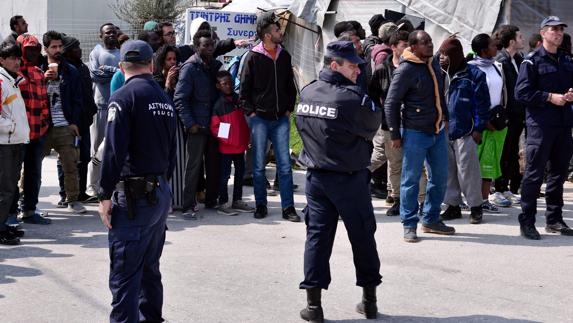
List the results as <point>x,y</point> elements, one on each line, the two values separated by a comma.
<point>542,73</point>
<point>71,92</point>
<point>468,102</point>
<point>267,85</point>
<point>336,122</point>
<point>515,110</point>
<point>195,92</point>
<point>380,83</point>
<point>140,133</point>
<point>414,101</point>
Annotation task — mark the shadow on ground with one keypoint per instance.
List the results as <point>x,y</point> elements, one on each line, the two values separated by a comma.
<point>453,319</point>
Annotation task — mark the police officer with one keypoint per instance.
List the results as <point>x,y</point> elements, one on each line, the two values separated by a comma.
<point>337,122</point>
<point>135,197</point>
<point>544,85</point>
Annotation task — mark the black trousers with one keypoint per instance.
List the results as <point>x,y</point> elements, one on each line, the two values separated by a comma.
<point>199,146</point>
<point>510,179</point>
<point>10,167</point>
<point>330,194</point>
<point>552,147</point>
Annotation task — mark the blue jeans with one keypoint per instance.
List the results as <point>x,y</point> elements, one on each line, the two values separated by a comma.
<point>225,173</point>
<point>418,147</point>
<point>278,131</point>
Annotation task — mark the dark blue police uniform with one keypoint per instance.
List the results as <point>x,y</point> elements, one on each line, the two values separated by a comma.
<point>548,132</point>
<point>139,148</point>
<point>337,122</point>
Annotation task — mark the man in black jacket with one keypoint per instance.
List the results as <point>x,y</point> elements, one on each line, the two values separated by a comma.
<point>73,53</point>
<point>511,39</point>
<point>194,98</point>
<point>415,103</point>
<point>65,102</point>
<point>268,94</point>
<point>378,89</point>
<point>336,121</point>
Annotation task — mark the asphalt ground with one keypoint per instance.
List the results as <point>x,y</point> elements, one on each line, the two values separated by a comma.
<point>239,269</point>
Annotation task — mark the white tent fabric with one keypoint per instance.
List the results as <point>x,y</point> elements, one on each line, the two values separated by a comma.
<point>467,18</point>
<point>251,5</point>
<point>311,11</point>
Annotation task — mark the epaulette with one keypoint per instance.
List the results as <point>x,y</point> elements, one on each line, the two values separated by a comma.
<point>308,84</point>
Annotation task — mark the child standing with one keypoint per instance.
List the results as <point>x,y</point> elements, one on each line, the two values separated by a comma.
<point>228,124</point>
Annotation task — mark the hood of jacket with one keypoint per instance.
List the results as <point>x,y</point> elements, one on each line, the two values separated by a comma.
<point>261,50</point>
<point>26,41</point>
<point>195,24</point>
<point>409,56</point>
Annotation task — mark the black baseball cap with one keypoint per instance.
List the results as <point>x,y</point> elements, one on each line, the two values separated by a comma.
<point>552,21</point>
<point>135,51</point>
<point>344,50</point>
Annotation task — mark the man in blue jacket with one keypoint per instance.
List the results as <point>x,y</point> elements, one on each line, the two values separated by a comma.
<point>195,95</point>
<point>545,86</point>
<point>337,121</point>
<point>65,102</point>
<point>467,97</point>
<point>137,163</point>
<point>415,103</point>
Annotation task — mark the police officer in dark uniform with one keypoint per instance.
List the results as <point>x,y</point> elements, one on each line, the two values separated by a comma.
<point>139,155</point>
<point>545,85</point>
<point>337,121</point>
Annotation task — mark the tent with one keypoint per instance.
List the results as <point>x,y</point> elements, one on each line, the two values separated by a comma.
<point>443,17</point>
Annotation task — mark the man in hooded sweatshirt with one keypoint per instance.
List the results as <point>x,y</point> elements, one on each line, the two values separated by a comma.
<point>467,97</point>
<point>415,103</point>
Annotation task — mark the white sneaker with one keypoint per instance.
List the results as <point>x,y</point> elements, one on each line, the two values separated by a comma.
<point>514,198</point>
<point>76,207</point>
<point>499,200</point>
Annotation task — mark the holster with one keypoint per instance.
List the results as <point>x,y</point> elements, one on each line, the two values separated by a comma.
<point>140,187</point>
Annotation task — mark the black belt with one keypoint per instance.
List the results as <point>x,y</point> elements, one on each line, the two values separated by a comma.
<point>138,187</point>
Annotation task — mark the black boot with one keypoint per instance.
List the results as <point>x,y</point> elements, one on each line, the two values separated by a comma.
<point>313,311</point>
<point>368,305</point>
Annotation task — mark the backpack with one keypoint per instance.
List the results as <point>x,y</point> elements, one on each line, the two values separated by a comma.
<point>235,68</point>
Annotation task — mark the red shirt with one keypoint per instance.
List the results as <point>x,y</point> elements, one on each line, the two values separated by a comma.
<point>33,90</point>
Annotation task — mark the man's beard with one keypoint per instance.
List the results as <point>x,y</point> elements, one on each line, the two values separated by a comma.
<point>110,43</point>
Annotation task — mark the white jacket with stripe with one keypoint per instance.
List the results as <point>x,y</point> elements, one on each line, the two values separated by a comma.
<point>14,128</point>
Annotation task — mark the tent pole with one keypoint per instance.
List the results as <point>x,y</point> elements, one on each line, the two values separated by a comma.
<point>297,24</point>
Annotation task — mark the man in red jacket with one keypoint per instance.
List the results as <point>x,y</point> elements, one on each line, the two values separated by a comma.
<point>229,126</point>
<point>33,90</point>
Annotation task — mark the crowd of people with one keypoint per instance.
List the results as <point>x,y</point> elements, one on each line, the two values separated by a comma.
<point>439,132</point>
<point>66,103</point>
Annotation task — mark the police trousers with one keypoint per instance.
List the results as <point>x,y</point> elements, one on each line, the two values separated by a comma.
<point>330,195</point>
<point>135,247</point>
<point>552,147</point>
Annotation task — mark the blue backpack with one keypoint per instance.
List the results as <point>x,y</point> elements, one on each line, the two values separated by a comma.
<point>235,67</point>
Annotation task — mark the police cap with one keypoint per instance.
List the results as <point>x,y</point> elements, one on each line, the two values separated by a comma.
<point>344,50</point>
<point>135,51</point>
<point>552,21</point>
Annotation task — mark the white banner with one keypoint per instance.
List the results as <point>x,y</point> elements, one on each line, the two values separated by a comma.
<point>236,25</point>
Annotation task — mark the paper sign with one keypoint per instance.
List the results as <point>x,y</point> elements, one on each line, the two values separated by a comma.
<point>224,130</point>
